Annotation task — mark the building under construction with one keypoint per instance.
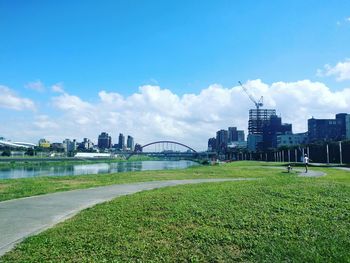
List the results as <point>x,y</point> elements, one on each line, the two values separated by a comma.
<point>263,126</point>
<point>258,118</point>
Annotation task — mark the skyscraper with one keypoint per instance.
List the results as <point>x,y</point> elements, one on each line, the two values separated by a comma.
<point>258,118</point>
<point>232,134</point>
<point>221,141</point>
<point>240,136</point>
<point>212,144</point>
<point>121,141</point>
<point>130,143</point>
<point>104,141</point>
<point>271,129</point>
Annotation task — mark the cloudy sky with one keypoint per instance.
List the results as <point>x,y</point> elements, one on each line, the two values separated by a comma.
<point>168,70</point>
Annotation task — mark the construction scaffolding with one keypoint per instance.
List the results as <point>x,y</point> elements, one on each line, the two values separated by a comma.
<point>258,118</point>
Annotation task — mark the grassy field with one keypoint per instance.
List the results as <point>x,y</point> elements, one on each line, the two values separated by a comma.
<point>16,188</point>
<point>280,218</point>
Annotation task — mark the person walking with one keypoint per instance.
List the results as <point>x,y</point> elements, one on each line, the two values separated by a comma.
<point>306,162</point>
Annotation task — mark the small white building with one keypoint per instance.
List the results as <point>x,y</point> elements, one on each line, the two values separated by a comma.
<point>93,155</point>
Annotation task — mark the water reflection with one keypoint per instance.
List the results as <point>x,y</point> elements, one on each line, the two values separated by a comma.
<point>97,168</point>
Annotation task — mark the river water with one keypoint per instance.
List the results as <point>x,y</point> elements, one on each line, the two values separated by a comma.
<point>97,168</point>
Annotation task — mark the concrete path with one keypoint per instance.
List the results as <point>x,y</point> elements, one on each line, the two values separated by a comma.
<point>343,168</point>
<point>310,173</point>
<point>300,171</point>
<point>24,217</point>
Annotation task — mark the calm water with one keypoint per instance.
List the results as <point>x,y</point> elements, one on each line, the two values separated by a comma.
<point>98,168</point>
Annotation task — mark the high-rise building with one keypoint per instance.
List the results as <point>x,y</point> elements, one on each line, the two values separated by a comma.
<point>121,141</point>
<point>240,136</point>
<point>221,141</point>
<point>329,129</point>
<point>130,143</point>
<point>104,141</point>
<point>271,130</point>
<point>86,144</point>
<point>212,144</point>
<point>343,122</point>
<point>258,119</point>
<point>347,127</point>
<point>232,134</point>
<point>69,146</point>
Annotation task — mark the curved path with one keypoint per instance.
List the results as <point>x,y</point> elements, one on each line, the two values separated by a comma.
<point>24,217</point>
<point>300,171</point>
<point>310,173</point>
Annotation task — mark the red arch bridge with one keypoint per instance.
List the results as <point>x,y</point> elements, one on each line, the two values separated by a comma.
<point>166,149</point>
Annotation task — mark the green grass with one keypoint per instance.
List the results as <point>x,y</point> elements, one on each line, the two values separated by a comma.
<point>16,188</point>
<point>280,218</point>
<point>283,218</point>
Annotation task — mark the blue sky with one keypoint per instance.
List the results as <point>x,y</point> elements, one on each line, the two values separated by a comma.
<point>183,46</point>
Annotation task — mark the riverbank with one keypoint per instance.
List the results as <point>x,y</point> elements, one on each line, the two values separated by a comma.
<point>23,187</point>
<point>280,217</point>
<point>9,162</point>
<point>25,217</point>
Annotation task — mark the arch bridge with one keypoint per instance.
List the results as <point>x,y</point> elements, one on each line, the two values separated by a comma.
<point>165,148</point>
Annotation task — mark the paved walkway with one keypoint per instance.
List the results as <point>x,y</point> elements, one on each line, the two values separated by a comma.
<point>24,217</point>
<point>300,171</point>
<point>343,168</point>
<point>310,173</point>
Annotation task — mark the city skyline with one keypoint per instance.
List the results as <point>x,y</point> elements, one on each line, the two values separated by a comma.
<point>74,70</point>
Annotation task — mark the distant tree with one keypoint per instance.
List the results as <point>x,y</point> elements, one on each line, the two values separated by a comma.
<point>138,148</point>
<point>30,152</point>
<point>6,152</point>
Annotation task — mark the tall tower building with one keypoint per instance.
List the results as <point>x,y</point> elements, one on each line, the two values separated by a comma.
<point>258,119</point>
<point>240,136</point>
<point>212,144</point>
<point>121,141</point>
<point>232,134</point>
<point>221,141</point>
<point>130,143</point>
<point>104,141</point>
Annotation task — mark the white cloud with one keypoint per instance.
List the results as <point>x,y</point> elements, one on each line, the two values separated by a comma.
<point>58,88</point>
<point>154,113</point>
<point>343,22</point>
<point>36,85</point>
<point>45,122</point>
<point>70,103</point>
<point>341,71</point>
<point>9,100</point>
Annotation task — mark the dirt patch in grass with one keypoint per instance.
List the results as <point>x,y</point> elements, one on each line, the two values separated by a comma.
<point>73,182</point>
<point>3,187</point>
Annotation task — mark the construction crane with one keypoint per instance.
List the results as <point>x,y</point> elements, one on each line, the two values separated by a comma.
<point>258,103</point>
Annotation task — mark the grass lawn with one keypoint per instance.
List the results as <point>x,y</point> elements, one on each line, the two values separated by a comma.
<point>16,188</point>
<point>280,218</point>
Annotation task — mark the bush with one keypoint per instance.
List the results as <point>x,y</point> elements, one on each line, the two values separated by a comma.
<point>6,153</point>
